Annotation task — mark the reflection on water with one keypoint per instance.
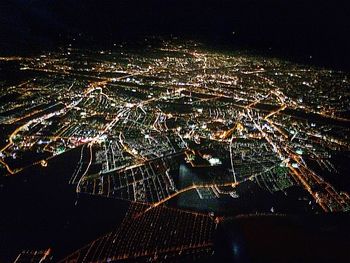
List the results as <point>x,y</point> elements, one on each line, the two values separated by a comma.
<point>251,198</point>
<point>188,176</point>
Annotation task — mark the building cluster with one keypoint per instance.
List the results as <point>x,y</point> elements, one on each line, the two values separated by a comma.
<point>138,115</point>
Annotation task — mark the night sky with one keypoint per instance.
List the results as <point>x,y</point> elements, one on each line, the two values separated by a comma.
<point>292,29</point>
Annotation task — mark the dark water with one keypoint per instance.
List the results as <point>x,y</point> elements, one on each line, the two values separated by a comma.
<point>340,178</point>
<point>252,198</point>
<point>39,209</point>
<point>297,238</point>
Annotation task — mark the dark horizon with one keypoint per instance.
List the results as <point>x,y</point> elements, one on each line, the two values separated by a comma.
<point>313,33</point>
